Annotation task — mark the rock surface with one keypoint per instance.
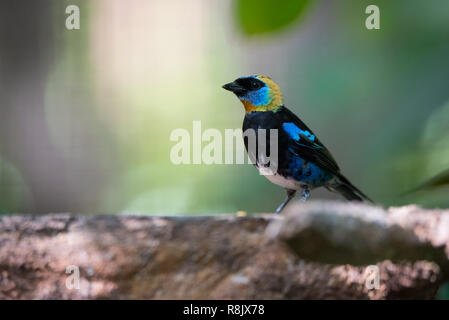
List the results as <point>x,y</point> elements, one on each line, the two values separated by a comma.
<point>319,250</point>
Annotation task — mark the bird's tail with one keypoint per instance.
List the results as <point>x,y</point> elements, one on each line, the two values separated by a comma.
<point>348,190</point>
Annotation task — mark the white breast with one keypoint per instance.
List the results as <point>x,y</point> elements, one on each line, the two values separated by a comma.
<point>284,182</point>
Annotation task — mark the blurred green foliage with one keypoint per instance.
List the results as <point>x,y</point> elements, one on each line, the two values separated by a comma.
<point>114,90</point>
<point>263,16</point>
<point>14,191</point>
<point>443,292</point>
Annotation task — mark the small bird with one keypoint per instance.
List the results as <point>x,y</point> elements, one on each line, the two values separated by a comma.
<point>304,163</point>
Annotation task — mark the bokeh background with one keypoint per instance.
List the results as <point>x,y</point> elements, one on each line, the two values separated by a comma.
<point>86,115</point>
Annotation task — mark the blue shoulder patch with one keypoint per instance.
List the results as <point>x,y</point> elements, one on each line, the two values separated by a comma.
<point>293,131</point>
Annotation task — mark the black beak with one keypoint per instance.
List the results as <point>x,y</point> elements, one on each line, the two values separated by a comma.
<point>234,87</point>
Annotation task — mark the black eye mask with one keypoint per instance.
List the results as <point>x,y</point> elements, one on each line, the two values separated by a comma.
<point>250,83</point>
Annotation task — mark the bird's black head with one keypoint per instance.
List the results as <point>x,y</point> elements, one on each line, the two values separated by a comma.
<point>242,86</point>
<point>257,93</point>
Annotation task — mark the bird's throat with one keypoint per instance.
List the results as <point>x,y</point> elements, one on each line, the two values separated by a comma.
<point>249,107</point>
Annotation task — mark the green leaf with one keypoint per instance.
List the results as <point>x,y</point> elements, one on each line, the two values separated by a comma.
<point>262,16</point>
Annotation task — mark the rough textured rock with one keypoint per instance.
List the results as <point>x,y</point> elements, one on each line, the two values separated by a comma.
<point>304,254</point>
<point>354,233</point>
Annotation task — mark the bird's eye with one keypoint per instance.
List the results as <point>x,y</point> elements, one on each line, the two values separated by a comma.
<point>255,85</point>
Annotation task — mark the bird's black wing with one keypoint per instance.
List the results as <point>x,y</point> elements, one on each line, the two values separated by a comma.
<point>304,144</point>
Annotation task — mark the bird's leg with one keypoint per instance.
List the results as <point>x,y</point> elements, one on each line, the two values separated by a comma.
<point>305,193</point>
<point>290,195</point>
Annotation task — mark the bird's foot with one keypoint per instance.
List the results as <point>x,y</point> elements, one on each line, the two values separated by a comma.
<point>305,193</point>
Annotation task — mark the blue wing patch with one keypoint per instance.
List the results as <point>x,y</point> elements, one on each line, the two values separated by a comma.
<point>295,133</point>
